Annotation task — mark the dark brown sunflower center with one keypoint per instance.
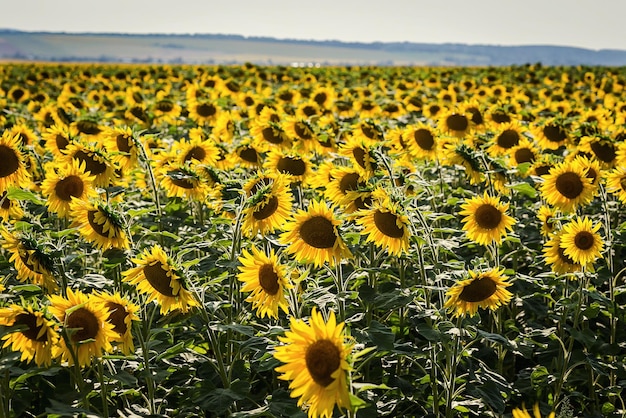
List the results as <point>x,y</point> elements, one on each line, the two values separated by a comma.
<point>249,154</point>
<point>508,139</point>
<point>61,141</point>
<point>370,132</point>
<point>85,324</point>
<point>542,170</point>
<point>591,174</point>
<point>10,162</point>
<point>318,232</point>
<point>88,127</point>
<point>98,229</point>
<point>117,315</point>
<point>157,276</point>
<point>363,202</point>
<point>488,216</point>
<point>5,203</point>
<point>604,151</point>
<point>584,240</point>
<point>30,321</point>
<point>349,182</point>
<point>309,110</point>
<point>386,222</point>
<point>302,131</point>
<point>569,185</point>
<point>456,122</point>
<point>478,290</point>
<point>268,279</point>
<point>123,143</point>
<point>206,110</point>
<point>564,257</point>
<point>477,116</point>
<point>320,98</point>
<point>165,106</point>
<point>622,183</point>
<point>182,182</point>
<point>70,186</point>
<point>424,138</point>
<point>500,117</point>
<point>524,155</point>
<point>196,153</point>
<point>272,135</point>
<point>290,165</point>
<point>322,358</point>
<point>139,113</point>
<point>554,133</point>
<point>92,165</point>
<point>267,210</point>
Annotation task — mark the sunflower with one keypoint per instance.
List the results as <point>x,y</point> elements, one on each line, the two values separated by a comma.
<point>302,131</point>
<point>342,181</point>
<point>84,319</point>
<point>35,337</point>
<point>485,219</point>
<point>295,167</point>
<point>506,137</point>
<point>196,151</point>
<point>10,209</point>
<point>181,180</point>
<point>122,313</point>
<point>581,242</point>
<point>546,216</point>
<point>422,141</point>
<point>156,276</point>
<point>554,254</point>
<point>484,290</point>
<point>63,183</point>
<point>57,138</point>
<point>30,260</point>
<point>122,147</point>
<point>525,152</point>
<point>360,151</point>
<point>552,134</point>
<point>13,170</point>
<point>523,413</point>
<point>316,363</point>
<point>459,153</point>
<point>592,169</point>
<point>98,224</point>
<point>312,236</point>
<point>269,205</point>
<point>97,162</point>
<point>166,111</point>
<point>385,225</point>
<point>267,281</point>
<point>616,183</point>
<point>567,186</point>
<point>454,122</point>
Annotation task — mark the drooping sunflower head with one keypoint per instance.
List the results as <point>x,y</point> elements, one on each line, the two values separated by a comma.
<point>99,224</point>
<point>13,171</point>
<point>485,219</point>
<point>547,217</point>
<point>485,290</point>
<point>461,154</point>
<point>616,183</point>
<point>385,225</point>
<point>268,207</point>
<point>34,335</point>
<point>555,257</point>
<point>266,280</point>
<point>313,237</point>
<point>157,276</point>
<point>315,357</point>
<point>122,145</point>
<point>97,162</point>
<point>121,314</point>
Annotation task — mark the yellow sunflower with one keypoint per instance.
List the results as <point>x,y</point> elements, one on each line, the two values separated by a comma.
<point>35,337</point>
<point>316,363</point>
<point>98,224</point>
<point>10,209</point>
<point>312,236</point>
<point>13,171</point>
<point>523,413</point>
<point>422,141</point>
<point>181,180</point>
<point>454,122</point>
<point>567,187</point>
<point>63,183</point>
<point>84,320</point>
<point>485,219</point>
<point>581,242</point>
<point>97,162</point>
<point>506,137</point>
<point>546,216</point>
<point>342,181</point>
<point>122,313</point>
<point>122,147</point>
<point>554,255</point>
<point>297,168</point>
<point>267,281</point>
<point>32,263</point>
<point>360,152</point>
<point>484,290</point>
<point>616,183</point>
<point>269,206</point>
<point>385,225</point>
<point>459,153</point>
<point>156,276</point>
<point>57,138</point>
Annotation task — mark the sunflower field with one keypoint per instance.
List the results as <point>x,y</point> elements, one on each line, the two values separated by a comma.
<point>258,241</point>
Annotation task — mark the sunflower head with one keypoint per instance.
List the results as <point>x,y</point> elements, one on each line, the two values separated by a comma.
<point>485,290</point>
<point>485,219</point>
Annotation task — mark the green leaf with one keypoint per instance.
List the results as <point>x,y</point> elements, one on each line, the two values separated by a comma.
<point>525,189</point>
<point>381,336</point>
<point>24,195</point>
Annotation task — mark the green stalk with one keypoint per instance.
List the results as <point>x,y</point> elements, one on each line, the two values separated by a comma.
<point>103,389</point>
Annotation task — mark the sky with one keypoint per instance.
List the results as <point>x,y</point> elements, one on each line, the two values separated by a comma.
<point>597,24</point>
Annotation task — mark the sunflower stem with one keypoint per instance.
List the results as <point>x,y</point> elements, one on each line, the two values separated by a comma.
<point>153,185</point>
<point>146,363</point>
<point>451,367</point>
<point>103,389</point>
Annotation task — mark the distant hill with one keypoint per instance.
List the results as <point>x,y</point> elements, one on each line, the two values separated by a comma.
<point>234,49</point>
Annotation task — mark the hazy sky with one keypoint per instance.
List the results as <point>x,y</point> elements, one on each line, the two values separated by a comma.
<point>595,24</point>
